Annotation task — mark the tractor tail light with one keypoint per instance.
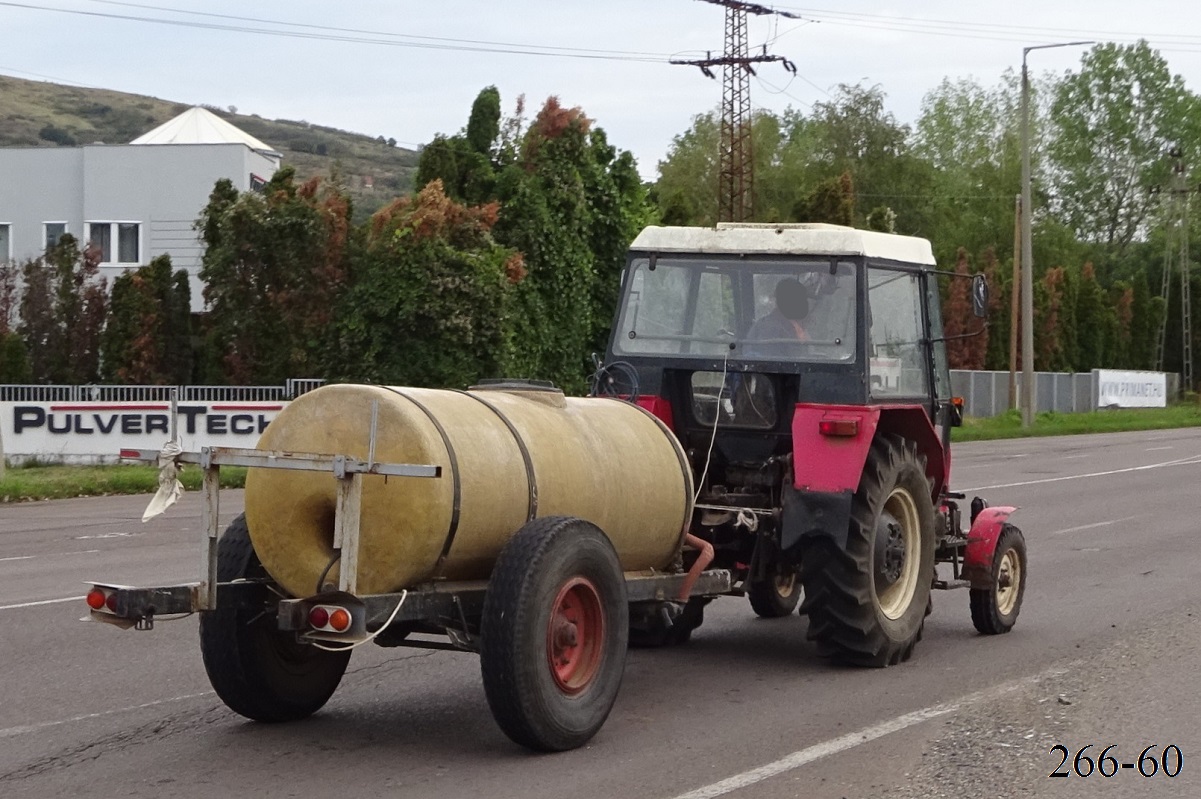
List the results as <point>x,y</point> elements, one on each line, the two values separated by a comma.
<point>838,427</point>
<point>96,599</point>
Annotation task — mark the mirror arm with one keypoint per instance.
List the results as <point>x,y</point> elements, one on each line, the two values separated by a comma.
<point>961,335</point>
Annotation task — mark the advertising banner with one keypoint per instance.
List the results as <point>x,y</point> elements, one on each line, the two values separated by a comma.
<point>88,432</point>
<point>1131,389</point>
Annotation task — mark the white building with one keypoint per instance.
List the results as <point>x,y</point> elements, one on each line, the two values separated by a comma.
<point>132,201</point>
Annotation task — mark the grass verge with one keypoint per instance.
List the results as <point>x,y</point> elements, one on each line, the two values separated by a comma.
<point>58,482</point>
<point>1009,424</point>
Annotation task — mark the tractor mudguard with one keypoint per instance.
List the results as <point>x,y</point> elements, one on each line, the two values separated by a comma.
<point>982,545</point>
<point>814,513</point>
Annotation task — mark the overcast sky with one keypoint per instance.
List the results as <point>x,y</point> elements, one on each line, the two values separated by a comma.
<point>382,78</point>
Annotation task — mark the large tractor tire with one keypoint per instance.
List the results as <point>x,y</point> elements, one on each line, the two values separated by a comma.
<point>553,634</point>
<point>867,603</point>
<point>258,670</point>
<point>775,597</point>
<point>995,609</point>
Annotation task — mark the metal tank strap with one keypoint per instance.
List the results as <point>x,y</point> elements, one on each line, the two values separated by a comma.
<point>456,484</point>
<point>531,480</point>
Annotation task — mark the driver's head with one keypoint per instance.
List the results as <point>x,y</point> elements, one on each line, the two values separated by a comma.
<point>792,299</point>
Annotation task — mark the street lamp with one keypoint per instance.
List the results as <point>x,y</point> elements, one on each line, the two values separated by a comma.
<point>1027,246</point>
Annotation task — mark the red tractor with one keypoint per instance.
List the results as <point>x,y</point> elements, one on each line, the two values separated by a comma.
<point>804,370</point>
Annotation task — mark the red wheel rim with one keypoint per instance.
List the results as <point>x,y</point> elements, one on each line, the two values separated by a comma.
<point>575,635</point>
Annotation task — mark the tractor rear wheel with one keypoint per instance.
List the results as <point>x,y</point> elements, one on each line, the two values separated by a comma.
<point>995,609</point>
<point>775,597</point>
<point>258,670</point>
<point>553,634</point>
<point>867,603</point>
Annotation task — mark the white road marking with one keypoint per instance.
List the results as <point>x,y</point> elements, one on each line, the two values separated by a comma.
<point>1192,460</point>
<point>42,602</point>
<point>106,535</point>
<point>851,740</point>
<point>11,731</point>
<point>56,554</point>
<point>1092,526</point>
<point>1156,449</point>
<point>1076,457</point>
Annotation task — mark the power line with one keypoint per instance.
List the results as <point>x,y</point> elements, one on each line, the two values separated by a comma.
<point>505,48</point>
<point>977,30</point>
<point>375,32</point>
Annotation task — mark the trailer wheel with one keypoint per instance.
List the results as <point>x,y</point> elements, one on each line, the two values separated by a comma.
<point>776,597</point>
<point>553,634</point>
<point>867,603</point>
<point>258,670</point>
<point>995,609</point>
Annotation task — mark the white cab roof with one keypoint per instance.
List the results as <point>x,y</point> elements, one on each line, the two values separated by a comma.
<point>784,239</point>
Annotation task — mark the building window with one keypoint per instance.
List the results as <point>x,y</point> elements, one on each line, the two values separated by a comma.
<point>54,232</point>
<point>6,243</point>
<point>126,235</point>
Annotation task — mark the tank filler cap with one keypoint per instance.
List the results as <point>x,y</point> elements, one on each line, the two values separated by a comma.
<point>514,384</point>
<point>542,391</point>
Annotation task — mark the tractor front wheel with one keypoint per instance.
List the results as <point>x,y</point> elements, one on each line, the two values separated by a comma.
<point>553,634</point>
<point>995,609</point>
<point>867,603</point>
<point>775,597</point>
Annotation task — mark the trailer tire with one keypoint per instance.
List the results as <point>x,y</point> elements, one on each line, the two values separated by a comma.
<point>553,634</point>
<point>776,597</point>
<point>867,603</point>
<point>995,609</point>
<point>257,670</point>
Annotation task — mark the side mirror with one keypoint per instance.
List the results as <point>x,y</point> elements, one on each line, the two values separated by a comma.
<point>980,296</point>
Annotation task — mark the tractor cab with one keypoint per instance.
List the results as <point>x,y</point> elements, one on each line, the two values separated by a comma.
<point>732,327</point>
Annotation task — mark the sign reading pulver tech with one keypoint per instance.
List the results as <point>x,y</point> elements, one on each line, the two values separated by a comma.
<point>89,431</point>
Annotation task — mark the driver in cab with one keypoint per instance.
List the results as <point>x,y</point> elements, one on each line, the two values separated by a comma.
<point>783,324</point>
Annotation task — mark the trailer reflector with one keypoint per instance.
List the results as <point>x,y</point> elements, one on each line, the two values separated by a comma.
<point>96,599</point>
<point>330,619</point>
<point>340,620</point>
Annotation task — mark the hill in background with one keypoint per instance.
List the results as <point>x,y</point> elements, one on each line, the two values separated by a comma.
<point>43,114</point>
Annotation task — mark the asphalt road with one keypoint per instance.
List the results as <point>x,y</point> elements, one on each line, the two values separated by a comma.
<point>1107,651</point>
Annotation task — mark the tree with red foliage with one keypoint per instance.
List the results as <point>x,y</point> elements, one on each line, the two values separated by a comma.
<point>431,304</point>
<point>274,267</point>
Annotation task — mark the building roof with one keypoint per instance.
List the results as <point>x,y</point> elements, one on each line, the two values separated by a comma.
<point>784,239</point>
<point>200,126</point>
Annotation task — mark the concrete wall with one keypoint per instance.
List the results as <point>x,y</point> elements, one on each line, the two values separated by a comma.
<point>161,187</point>
<point>987,393</point>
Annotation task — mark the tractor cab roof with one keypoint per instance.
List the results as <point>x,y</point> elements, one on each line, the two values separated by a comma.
<point>784,239</point>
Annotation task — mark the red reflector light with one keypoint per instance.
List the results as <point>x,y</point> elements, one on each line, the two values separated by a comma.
<point>129,453</point>
<point>111,602</point>
<point>339,620</point>
<point>96,599</point>
<point>838,427</point>
<point>318,617</point>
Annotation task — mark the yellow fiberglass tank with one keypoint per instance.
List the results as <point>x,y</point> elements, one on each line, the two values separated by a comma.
<point>508,453</point>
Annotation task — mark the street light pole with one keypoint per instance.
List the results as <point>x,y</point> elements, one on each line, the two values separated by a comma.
<point>1027,244</point>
